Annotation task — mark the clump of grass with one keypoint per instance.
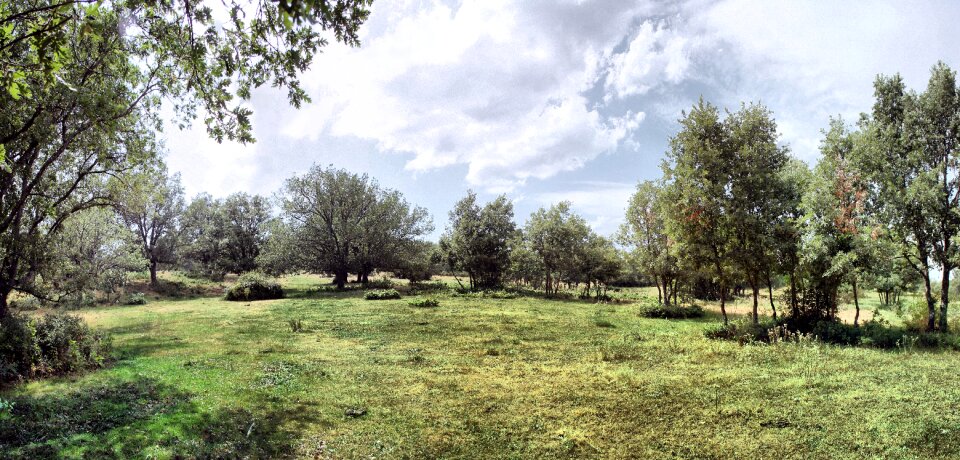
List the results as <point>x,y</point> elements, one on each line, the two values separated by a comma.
<point>601,322</point>
<point>671,311</point>
<point>382,294</point>
<point>296,325</point>
<point>425,303</point>
<point>382,283</point>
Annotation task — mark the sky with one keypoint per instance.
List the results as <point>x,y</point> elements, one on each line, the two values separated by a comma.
<point>551,100</point>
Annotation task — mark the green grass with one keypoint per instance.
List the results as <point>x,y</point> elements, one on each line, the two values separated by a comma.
<point>473,378</point>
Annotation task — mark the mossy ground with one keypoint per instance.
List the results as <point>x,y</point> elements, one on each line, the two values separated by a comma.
<point>473,378</point>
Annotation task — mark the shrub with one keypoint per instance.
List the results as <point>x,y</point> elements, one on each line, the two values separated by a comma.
<point>422,287</point>
<point>382,294</point>
<point>425,303</point>
<point>741,331</point>
<point>254,286</point>
<point>25,304</point>
<point>137,298</point>
<point>51,345</point>
<point>382,283</point>
<point>671,311</point>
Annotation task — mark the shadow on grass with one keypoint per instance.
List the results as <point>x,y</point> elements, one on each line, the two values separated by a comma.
<point>140,418</point>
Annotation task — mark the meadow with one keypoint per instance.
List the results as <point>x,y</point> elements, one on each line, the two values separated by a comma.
<point>475,377</point>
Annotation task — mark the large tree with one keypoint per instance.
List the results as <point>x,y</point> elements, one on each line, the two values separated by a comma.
<point>343,221</point>
<point>912,163</point>
<point>758,194</point>
<point>559,238</point>
<point>150,203</point>
<point>697,170</point>
<point>479,240</point>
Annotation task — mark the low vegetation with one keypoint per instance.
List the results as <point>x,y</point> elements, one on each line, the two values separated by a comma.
<point>205,377</point>
<point>382,294</point>
<point>254,286</point>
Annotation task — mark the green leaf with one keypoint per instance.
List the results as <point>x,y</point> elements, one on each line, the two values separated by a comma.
<point>14,90</point>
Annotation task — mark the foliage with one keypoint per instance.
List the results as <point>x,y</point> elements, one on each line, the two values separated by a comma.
<point>910,161</point>
<point>382,294</point>
<point>150,203</point>
<point>342,221</point>
<point>425,303</point>
<point>54,344</point>
<point>81,84</point>
<point>478,240</point>
<point>94,253</point>
<point>645,231</point>
<point>427,288</point>
<point>136,298</point>
<point>254,286</point>
<point>668,311</point>
<point>223,236</point>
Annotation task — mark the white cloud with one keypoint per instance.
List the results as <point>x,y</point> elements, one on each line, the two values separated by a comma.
<point>658,54</point>
<point>206,166</point>
<point>498,86</point>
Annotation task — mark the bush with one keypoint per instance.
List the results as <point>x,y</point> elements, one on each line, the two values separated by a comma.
<point>382,294</point>
<point>425,303</point>
<point>137,298</point>
<point>741,331</point>
<point>671,311</point>
<point>382,283</point>
<point>54,344</point>
<point>254,286</point>
<point>422,287</point>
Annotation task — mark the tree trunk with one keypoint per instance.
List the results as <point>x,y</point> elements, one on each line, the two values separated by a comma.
<point>944,296</point>
<point>856,303</point>
<point>723,304</point>
<point>153,274</point>
<point>756,295</point>
<point>770,293</point>
<point>366,276</point>
<point>931,303</point>
<point>795,310</point>
<point>4,295</point>
<point>340,278</point>
<point>659,291</point>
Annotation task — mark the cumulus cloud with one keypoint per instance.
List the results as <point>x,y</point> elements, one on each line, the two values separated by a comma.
<point>497,86</point>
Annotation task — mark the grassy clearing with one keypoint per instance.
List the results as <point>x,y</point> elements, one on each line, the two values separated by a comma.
<point>477,378</point>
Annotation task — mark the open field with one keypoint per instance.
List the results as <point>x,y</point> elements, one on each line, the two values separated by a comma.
<point>474,377</point>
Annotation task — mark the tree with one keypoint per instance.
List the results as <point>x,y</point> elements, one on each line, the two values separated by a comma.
<point>244,219</point>
<point>479,240</point>
<point>911,162</point>
<point>838,246</point>
<point>645,231</point>
<point>93,253</point>
<point>81,81</point>
<point>558,237</point>
<point>757,196</point>
<point>342,221</point>
<point>697,171</point>
<point>202,236</point>
<point>150,203</point>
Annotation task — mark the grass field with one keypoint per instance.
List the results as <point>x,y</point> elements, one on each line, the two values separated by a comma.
<point>473,378</point>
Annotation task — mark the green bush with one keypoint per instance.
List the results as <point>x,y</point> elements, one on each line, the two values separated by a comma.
<point>425,303</point>
<point>420,287</point>
<point>382,294</point>
<point>54,344</point>
<point>671,311</point>
<point>382,283</point>
<point>137,298</point>
<point>254,286</point>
